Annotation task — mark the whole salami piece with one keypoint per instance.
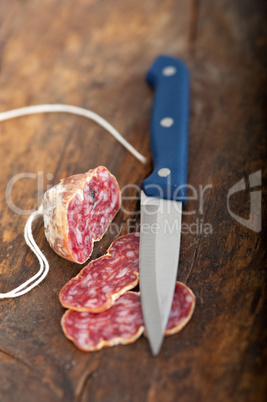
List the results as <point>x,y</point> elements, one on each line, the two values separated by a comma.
<point>78,211</point>
<point>103,280</point>
<point>123,322</point>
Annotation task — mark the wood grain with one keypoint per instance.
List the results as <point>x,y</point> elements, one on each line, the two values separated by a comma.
<point>95,55</point>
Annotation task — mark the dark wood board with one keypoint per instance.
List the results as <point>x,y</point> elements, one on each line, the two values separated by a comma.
<point>95,54</point>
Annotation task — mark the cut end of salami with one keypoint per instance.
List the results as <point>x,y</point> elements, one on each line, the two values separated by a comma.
<point>78,211</point>
<point>103,280</point>
<point>123,322</point>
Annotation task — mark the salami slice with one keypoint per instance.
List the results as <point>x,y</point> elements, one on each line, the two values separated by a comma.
<point>78,210</point>
<point>102,281</point>
<point>123,322</point>
<point>183,306</point>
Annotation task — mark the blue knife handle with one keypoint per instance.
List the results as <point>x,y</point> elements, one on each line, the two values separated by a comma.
<point>169,129</point>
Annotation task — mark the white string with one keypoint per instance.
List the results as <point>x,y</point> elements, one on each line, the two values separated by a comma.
<point>23,111</point>
<point>44,265</point>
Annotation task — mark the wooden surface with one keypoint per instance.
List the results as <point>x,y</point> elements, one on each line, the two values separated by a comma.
<point>95,54</point>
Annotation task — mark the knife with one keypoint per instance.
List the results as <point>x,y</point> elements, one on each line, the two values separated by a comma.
<point>163,194</point>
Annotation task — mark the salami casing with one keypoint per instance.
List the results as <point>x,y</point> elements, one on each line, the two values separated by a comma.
<point>103,280</point>
<point>123,322</point>
<point>78,210</point>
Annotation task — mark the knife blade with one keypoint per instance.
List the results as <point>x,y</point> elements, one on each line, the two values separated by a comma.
<point>163,194</point>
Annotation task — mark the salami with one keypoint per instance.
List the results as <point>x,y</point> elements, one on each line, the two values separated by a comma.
<point>77,212</point>
<point>183,306</point>
<point>123,322</point>
<point>102,281</point>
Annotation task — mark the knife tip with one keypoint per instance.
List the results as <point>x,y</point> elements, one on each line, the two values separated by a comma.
<point>156,346</point>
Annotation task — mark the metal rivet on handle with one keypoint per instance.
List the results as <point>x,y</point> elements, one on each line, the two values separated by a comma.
<point>166,122</point>
<point>169,71</point>
<point>164,172</point>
